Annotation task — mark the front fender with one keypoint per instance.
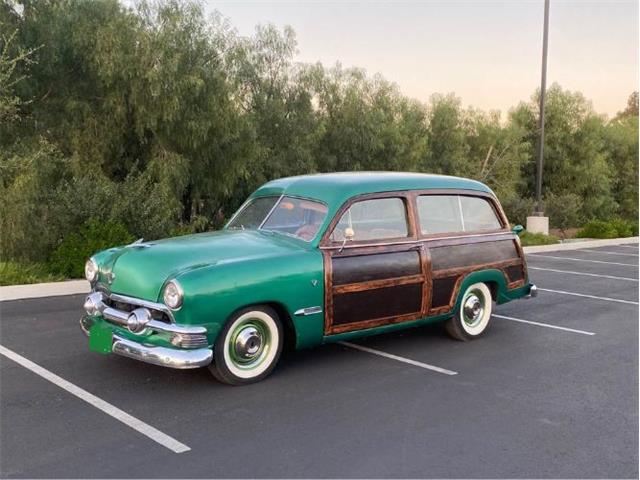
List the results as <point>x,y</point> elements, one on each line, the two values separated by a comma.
<point>292,282</point>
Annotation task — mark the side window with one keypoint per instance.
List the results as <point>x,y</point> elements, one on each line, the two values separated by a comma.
<point>376,219</point>
<point>439,214</point>
<point>478,214</point>
<point>455,214</point>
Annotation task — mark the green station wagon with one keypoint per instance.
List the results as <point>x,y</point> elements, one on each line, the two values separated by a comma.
<point>309,260</point>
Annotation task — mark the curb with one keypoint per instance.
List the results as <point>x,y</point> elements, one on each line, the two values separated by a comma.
<point>38,290</point>
<point>580,244</point>
<point>71,287</point>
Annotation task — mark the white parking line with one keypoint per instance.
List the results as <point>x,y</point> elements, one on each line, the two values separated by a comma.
<point>582,260</point>
<point>609,253</point>
<point>130,421</point>
<point>547,325</point>
<point>617,300</point>
<point>635,247</point>
<point>583,273</point>
<point>399,359</point>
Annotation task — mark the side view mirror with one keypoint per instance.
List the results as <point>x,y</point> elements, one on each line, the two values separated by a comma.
<point>349,233</point>
<point>517,229</point>
<point>348,236</point>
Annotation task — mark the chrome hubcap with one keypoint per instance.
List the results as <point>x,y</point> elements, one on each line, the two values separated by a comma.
<point>472,309</point>
<point>248,343</point>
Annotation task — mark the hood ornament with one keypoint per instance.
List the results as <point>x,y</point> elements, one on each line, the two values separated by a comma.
<point>139,244</point>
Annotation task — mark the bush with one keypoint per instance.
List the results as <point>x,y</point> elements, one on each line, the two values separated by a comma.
<point>69,258</point>
<point>14,273</point>
<point>529,239</point>
<point>564,211</point>
<point>616,228</point>
<point>517,209</point>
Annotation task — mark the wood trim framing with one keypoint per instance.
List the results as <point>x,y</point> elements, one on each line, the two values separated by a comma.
<point>375,284</point>
<point>415,241</point>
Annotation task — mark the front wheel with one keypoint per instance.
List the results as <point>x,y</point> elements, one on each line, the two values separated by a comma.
<point>249,347</point>
<point>473,316</point>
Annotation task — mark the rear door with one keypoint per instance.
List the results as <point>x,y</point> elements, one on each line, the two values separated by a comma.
<point>465,232</point>
<point>380,275</point>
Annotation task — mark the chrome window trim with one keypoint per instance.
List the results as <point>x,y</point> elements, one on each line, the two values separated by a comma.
<point>418,240</point>
<point>275,205</point>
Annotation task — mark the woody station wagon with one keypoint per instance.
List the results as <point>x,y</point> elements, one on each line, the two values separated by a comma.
<point>309,260</point>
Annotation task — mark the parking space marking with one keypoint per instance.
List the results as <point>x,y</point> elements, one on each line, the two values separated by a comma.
<point>547,325</point>
<point>609,253</point>
<point>608,299</point>
<point>635,247</point>
<point>583,260</point>
<point>130,421</point>
<point>399,359</point>
<point>585,274</point>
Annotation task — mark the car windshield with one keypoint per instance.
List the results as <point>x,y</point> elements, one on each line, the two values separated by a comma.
<point>288,215</point>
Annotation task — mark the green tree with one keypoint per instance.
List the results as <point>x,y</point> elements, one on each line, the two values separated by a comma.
<point>574,154</point>
<point>448,151</point>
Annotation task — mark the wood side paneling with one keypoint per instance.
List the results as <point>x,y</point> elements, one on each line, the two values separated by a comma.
<point>457,256</point>
<point>376,266</point>
<point>353,307</point>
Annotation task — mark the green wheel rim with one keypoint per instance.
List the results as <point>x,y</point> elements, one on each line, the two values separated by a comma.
<point>250,343</point>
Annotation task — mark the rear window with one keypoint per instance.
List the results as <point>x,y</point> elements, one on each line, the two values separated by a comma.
<point>455,214</point>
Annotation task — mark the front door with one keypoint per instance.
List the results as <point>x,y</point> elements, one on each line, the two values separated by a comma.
<point>377,274</point>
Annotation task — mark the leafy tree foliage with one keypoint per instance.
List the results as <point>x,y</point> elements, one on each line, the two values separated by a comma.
<point>160,120</point>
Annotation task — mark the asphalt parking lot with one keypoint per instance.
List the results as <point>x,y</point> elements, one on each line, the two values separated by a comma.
<point>550,391</point>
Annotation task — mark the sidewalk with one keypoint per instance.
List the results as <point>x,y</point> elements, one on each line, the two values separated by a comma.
<point>71,287</point>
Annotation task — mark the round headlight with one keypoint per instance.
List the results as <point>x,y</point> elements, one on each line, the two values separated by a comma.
<point>91,270</point>
<point>172,295</point>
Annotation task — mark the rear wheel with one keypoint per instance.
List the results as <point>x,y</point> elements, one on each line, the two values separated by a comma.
<point>249,347</point>
<point>472,318</point>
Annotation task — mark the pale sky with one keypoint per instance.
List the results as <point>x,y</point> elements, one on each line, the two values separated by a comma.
<point>488,52</point>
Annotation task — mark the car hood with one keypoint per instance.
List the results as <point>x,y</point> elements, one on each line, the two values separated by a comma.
<point>141,270</point>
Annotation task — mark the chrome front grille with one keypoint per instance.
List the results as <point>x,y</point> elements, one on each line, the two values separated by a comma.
<point>129,307</point>
<point>141,317</point>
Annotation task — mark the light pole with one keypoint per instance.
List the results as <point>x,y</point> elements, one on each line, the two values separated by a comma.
<point>538,223</point>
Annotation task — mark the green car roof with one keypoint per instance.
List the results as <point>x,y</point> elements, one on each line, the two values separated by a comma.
<point>336,188</point>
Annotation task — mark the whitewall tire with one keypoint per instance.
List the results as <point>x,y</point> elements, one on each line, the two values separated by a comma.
<point>248,347</point>
<point>472,318</point>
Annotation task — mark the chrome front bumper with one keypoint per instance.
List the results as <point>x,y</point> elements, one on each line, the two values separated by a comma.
<point>165,357</point>
<point>192,350</point>
<point>156,355</point>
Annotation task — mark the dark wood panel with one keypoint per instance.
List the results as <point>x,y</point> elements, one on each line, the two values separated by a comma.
<point>379,303</point>
<point>442,290</point>
<point>459,256</point>
<point>515,273</point>
<point>366,268</point>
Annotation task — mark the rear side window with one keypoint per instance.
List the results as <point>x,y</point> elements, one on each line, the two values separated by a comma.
<point>455,214</point>
<point>478,214</point>
<point>376,219</point>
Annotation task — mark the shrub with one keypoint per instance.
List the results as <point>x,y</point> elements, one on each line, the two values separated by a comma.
<point>70,256</point>
<point>14,273</point>
<point>564,211</point>
<point>517,209</point>
<point>529,239</point>
<point>612,229</point>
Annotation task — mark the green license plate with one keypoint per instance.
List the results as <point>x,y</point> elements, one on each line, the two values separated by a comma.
<point>100,339</point>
